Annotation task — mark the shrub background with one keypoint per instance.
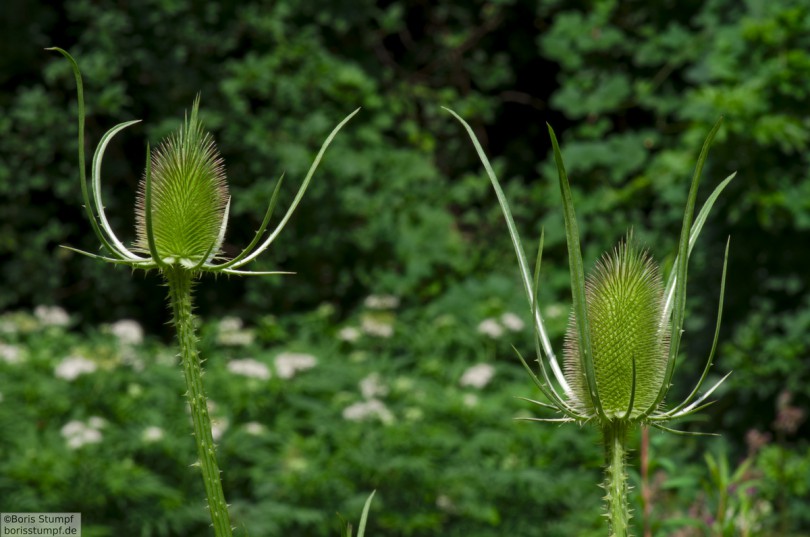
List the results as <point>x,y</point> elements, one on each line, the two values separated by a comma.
<point>400,205</point>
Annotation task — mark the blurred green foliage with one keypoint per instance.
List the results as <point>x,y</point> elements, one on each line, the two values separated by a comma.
<point>401,206</point>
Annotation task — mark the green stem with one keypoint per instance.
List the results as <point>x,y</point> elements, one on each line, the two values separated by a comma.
<point>615,437</point>
<point>180,283</point>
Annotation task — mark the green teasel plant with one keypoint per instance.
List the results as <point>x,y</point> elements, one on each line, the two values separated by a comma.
<point>624,332</point>
<point>181,218</point>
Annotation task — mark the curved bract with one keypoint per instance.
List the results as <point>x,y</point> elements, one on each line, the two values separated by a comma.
<point>183,204</point>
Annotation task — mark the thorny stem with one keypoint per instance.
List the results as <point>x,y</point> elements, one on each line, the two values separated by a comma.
<point>180,283</point>
<point>615,438</point>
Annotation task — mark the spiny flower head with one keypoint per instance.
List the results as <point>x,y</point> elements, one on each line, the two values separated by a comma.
<point>626,325</point>
<point>624,299</point>
<point>189,196</point>
<point>183,204</point>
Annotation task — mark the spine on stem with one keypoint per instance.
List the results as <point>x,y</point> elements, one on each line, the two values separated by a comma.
<point>180,283</point>
<point>615,438</point>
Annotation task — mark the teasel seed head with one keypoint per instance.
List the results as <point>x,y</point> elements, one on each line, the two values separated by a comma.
<point>624,299</point>
<point>189,196</point>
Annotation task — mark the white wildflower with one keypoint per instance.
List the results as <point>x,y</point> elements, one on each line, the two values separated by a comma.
<point>289,363</point>
<point>230,332</point>
<point>52,315</point>
<point>554,311</point>
<point>444,503</point>
<point>377,327</point>
<point>78,433</point>
<point>10,354</point>
<point>491,328</point>
<point>477,376</point>
<point>96,423</point>
<point>128,331</point>
<point>512,322</point>
<point>71,367</point>
<point>470,400</point>
<point>364,410</point>
<point>249,367</point>
<point>381,302</point>
<point>255,428</point>
<point>218,427</point>
<point>372,386</point>
<point>152,434</point>
<point>349,333</point>
<point>230,324</point>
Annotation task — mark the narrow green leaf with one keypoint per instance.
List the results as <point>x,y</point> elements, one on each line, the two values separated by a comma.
<point>216,243</point>
<point>536,280</point>
<point>697,227</point>
<point>577,278</point>
<point>361,529</point>
<point>679,300</point>
<point>523,263</point>
<point>680,433</point>
<point>300,193</point>
<point>150,233</point>
<point>716,336</point>
<point>88,207</point>
<point>259,232</point>
<point>629,412</point>
<point>248,272</point>
<point>98,157</point>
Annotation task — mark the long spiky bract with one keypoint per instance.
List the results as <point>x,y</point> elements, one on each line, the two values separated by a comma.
<point>624,334</point>
<point>182,212</point>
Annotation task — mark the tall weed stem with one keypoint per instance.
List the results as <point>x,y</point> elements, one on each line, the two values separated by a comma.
<point>180,282</point>
<point>615,438</point>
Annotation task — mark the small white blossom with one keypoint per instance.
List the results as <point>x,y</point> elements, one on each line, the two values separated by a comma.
<point>218,427</point>
<point>255,428</point>
<point>128,331</point>
<point>96,423</point>
<point>10,354</point>
<point>381,302</point>
<point>364,410</point>
<point>372,386</point>
<point>470,400</point>
<point>71,367</point>
<point>477,376</point>
<point>78,433</point>
<point>512,322</point>
<point>152,434</point>
<point>249,367</point>
<point>444,503</point>
<point>52,315</point>
<point>289,363</point>
<point>230,332</point>
<point>554,311</point>
<point>349,333</point>
<point>377,327</point>
<point>491,328</point>
<point>230,324</point>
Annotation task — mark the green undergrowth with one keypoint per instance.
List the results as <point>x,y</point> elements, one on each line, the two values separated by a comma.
<point>401,409</point>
